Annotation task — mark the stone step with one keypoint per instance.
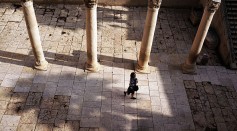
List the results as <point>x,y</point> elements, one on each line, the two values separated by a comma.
<point>233,22</point>
<point>230,1</point>
<point>232,17</point>
<point>234,32</point>
<point>231,4</point>
<point>234,41</point>
<point>231,13</point>
<point>234,37</point>
<point>232,9</point>
<point>235,46</point>
<point>233,27</point>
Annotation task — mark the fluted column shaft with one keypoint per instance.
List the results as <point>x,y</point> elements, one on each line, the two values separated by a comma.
<point>148,35</point>
<point>33,31</point>
<point>91,35</point>
<point>190,64</point>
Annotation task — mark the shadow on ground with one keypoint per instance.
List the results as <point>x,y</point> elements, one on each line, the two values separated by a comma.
<point>85,101</point>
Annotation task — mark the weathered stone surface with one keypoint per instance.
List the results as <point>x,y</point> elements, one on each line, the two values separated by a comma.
<point>214,109</point>
<point>47,116</point>
<point>208,88</point>
<point>190,84</point>
<point>34,99</point>
<point>72,125</point>
<point>26,127</point>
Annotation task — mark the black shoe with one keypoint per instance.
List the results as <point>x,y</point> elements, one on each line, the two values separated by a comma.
<point>133,97</point>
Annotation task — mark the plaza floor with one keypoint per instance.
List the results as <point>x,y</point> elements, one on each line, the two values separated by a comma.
<point>66,97</point>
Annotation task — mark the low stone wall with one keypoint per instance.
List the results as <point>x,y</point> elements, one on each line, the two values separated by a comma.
<point>165,3</point>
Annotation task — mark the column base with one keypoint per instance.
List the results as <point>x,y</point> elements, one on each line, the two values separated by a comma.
<point>188,69</point>
<point>93,68</point>
<point>144,70</point>
<point>42,65</point>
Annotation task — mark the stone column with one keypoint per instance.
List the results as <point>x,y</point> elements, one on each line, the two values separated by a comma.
<point>189,67</point>
<point>148,34</point>
<point>91,35</point>
<point>33,31</point>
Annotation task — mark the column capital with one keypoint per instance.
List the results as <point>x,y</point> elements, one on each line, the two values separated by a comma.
<point>90,3</point>
<point>154,3</point>
<point>213,5</point>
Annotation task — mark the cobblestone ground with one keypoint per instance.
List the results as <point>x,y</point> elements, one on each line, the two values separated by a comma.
<point>67,98</point>
<point>214,107</point>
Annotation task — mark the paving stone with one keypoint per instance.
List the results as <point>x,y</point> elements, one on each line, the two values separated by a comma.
<point>61,102</point>
<point>3,105</point>
<point>68,83</point>
<point>190,84</point>
<point>19,97</point>
<point>199,119</point>
<point>46,103</point>
<point>29,116</point>
<point>72,125</point>
<point>26,127</point>
<point>166,88</point>
<point>106,108</point>
<point>192,94</point>
<point>9,82</point>
<point>92,96</point>
<point>130,108</point>
<point>144,112</point>
<point>222,126</point>
<point>49,91</point>
<point>145,122</point>
<point>118,125</point>
<point>63,90</point>
<point>34,98</point>
<point>90,112</point>
<point>10,121</point>
<point>23,85</point>
<point>47,116</point>
<point>231,126</point>
<point>40,79</point>
<point>14,108</point>
<point>90,122</point>
<point>44,127</point>
<point>8,128</point>
<point>208,88</point>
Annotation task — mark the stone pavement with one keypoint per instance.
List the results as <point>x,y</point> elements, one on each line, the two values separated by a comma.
<point>68,98</point>
<point>213,106</point>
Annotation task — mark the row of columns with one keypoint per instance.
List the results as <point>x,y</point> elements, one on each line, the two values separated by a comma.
<point>148,34</point>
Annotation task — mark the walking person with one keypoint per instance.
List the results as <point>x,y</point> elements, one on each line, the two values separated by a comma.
<point>132,86</point>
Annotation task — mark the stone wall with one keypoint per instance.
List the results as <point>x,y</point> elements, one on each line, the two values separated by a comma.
<point>219,24</point>
<point>165,3</point>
